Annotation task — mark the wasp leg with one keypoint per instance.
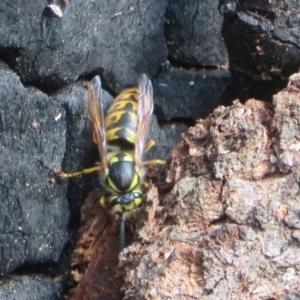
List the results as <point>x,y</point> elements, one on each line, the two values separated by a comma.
<point>154,162</point>
<point>105,204</point>
<point>149,145</point>
<point>103,201</point>
<point>145,186</point>
<point>84,171</point>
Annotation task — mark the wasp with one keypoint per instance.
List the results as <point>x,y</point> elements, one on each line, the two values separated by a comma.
<point>121,141</point>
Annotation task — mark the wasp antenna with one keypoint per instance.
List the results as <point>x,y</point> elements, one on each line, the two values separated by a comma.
<point>122,242</point>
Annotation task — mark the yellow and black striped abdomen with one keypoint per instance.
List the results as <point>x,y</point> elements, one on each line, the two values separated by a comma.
<point>120,122</point>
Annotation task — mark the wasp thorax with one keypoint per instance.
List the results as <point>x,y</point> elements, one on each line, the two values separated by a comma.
<point>122,174</point>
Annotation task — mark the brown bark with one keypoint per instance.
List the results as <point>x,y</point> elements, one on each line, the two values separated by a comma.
<point>229,229</point>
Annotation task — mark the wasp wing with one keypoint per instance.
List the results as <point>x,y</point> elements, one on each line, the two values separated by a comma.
<point>95,107</point>
<point>145,109</point>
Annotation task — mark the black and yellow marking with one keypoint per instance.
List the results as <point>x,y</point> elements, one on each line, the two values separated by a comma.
<point>121,119</point>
